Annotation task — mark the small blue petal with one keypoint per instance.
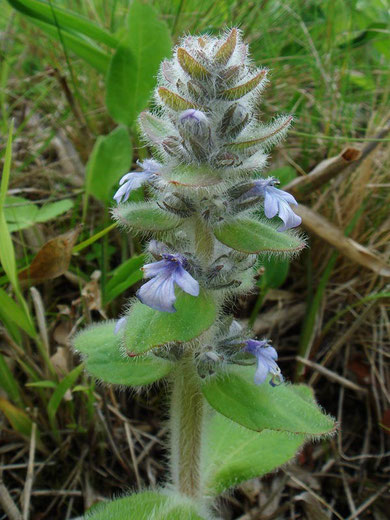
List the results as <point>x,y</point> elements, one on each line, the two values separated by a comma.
<point>159,292</point>
<point>276,202</point>
<point>261,372</point>
<point>119,324</point>
<point>266,360</point>
<point>133,180</point>
<point>186,282</point>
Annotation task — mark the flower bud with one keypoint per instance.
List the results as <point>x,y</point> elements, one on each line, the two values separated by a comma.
<point>194,123</point>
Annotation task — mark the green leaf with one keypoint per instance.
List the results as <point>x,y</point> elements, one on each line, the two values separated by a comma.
<point>7,253</point>
<point>9,383</point>
<point>147,505</point>
<point>85,49</point>
<point>134,66</point>
<point>258,407</point>
<point>275,272</point>
<point>59,393</point>
<point>64,18</point>
<point>20,421</point>
<point>105,361</point>
<point>54,209</point>
<point>110,159</point>
<point>124,276</point>
<point>147,328</point>
<point>235,454</point>
<point>42,384</point>
<point>251,236</point>
<point>21,213</point>
<point>16,313</point>
<point>145,217</point>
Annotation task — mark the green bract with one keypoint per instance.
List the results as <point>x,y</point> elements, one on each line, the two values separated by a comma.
<point>104,359</point>
<point>191,176</point>
<point>251,236</point>
<point>145,216</point>
<point>281,408</point>
<point>147,328</point>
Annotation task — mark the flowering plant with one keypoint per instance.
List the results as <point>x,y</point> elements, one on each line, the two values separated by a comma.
<point>210,214</point>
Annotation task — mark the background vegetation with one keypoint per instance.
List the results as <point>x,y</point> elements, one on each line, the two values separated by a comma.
<point>71,85</point>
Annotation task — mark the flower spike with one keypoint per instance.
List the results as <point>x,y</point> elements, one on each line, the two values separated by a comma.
<point>159,292</point>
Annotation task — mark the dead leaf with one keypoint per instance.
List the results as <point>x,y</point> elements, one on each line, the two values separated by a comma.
<point>321,227</point>
<point>385,421</point>
<point>91,293</point>
<point>60,361</point>
<point>62,331</point>
<point>52,260</point>
<point>312,507</point>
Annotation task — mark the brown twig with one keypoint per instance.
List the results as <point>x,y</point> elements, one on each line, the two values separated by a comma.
<point>7,502</point>
<point>348,160</point>
<point>324,229</point>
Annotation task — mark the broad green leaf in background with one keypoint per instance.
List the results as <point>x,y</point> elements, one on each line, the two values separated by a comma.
<point>147,328</point>
<point>105,361</point>
<point>145,217</point>
<point>251,236</point>
<point>235,454</point>
<point>146,506</point>
<point>258,407</point>
<point>65,19</point>
<point>21,213</point>
<point>110,159</point>
<point>124,276</point>
<point>132,73</point>
<point>85,49</point>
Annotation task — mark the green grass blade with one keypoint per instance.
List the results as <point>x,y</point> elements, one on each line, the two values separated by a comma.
<point>9,383</point>
<point>65,19</point>
<point>7,254</point>
<point>59,393</point>
<point>83,48</point>
<point>15,313</point>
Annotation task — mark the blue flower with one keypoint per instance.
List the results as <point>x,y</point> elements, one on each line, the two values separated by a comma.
<point>266,361</point>
<point>276,202</point>
<point>133,180</point>
<point>159,292</point>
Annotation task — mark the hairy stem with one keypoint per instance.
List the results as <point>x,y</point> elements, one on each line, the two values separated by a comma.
<point>187,410</point>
